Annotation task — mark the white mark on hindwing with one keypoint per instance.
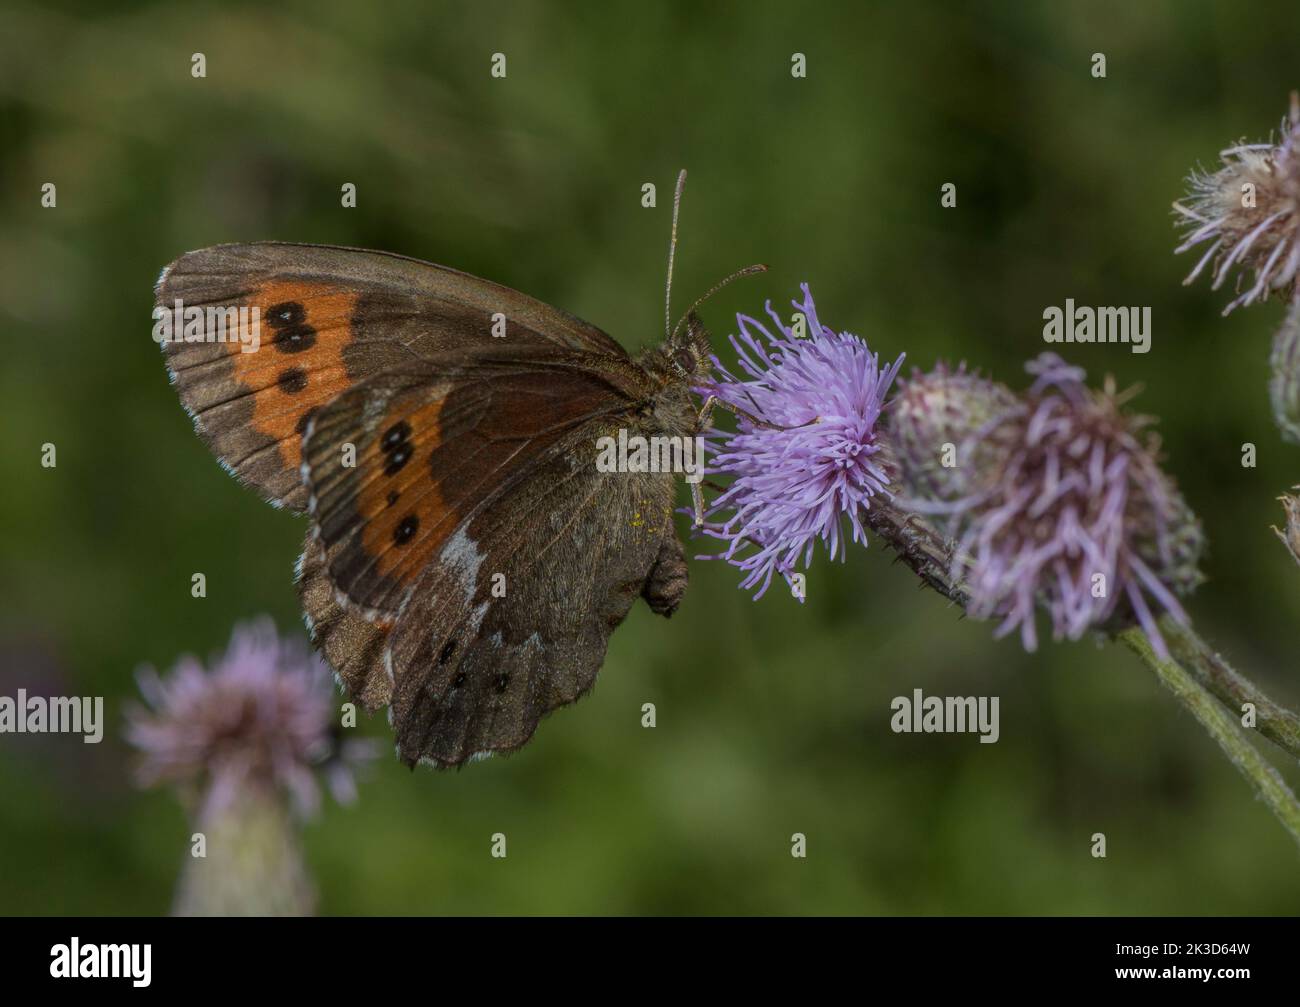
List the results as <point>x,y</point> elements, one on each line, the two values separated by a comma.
<point>461,558</point>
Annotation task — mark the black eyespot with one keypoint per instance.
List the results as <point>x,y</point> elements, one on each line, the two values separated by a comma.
<point>285,314</point>
<point>392,497</point>
<point>292,380</point>
<point>403,532</point>
<point>458,681</point>
<point>397,459</point>
<point>395,434</point>
<point>448,649</point>
<point>295,339</point>
<point>501,682</point>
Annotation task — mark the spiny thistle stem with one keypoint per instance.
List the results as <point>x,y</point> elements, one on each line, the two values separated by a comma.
<point>1198,701</point>
<point>918,544</point>
<point>1278,724</point>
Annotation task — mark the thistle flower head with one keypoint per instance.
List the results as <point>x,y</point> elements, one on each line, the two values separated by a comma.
<point>929,423</point>
<point>1249,212</point>
<point>1070,510</point>
<point>809,463</point>
<point>260,718</point>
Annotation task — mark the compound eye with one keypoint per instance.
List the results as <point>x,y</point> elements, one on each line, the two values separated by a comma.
<point>684,359</point>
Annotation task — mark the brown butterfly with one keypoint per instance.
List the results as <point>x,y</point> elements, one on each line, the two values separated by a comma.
<point>467,560</point>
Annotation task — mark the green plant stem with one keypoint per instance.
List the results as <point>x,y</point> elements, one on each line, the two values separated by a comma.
<point>1198,700</point>
<point>929,553</point>
<point>1277,723</point>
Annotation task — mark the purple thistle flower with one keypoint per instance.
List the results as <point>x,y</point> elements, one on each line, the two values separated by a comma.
<point>261,719</point>
<point>1249,211</point>
<point>796,479</point>
<point>1067,490</point>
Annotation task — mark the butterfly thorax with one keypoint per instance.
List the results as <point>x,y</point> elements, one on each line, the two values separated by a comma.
<point>673,412</point>
<point>676,366</point>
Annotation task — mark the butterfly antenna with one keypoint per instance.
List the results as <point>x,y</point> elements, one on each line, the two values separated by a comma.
<point>672,251</point>
<point>758,267</point>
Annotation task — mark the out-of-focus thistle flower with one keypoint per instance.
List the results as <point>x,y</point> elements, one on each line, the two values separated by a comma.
<point>810,462</point>
<point>1249,211</point>
<point>248,739</point>
<point>262,717</point>
<point>1063,505</point>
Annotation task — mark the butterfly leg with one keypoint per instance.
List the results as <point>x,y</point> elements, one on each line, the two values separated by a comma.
<point>667,580</point>
<point>702,423</point>
<point>706,412</point>
<point>697,505</point>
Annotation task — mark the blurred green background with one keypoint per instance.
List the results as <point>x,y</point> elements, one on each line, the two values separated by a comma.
<point>773,718</point>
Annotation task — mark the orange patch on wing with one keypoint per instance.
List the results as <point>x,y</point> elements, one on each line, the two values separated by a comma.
<point>406,518</point>
<point>298,366</point>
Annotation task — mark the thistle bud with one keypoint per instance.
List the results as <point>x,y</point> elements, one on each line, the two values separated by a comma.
<point>930,425</point>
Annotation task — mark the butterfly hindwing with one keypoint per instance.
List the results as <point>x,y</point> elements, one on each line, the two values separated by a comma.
<point>352,645</point>
<point>512,618</point>
<point>327,319</point>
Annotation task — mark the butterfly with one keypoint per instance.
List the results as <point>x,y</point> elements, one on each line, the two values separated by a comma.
<point>467,559</point>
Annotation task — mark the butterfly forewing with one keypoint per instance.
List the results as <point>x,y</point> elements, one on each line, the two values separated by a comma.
<point>327,320</point>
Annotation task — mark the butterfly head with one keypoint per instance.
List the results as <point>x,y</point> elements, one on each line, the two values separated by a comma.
<point>689,351</point>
